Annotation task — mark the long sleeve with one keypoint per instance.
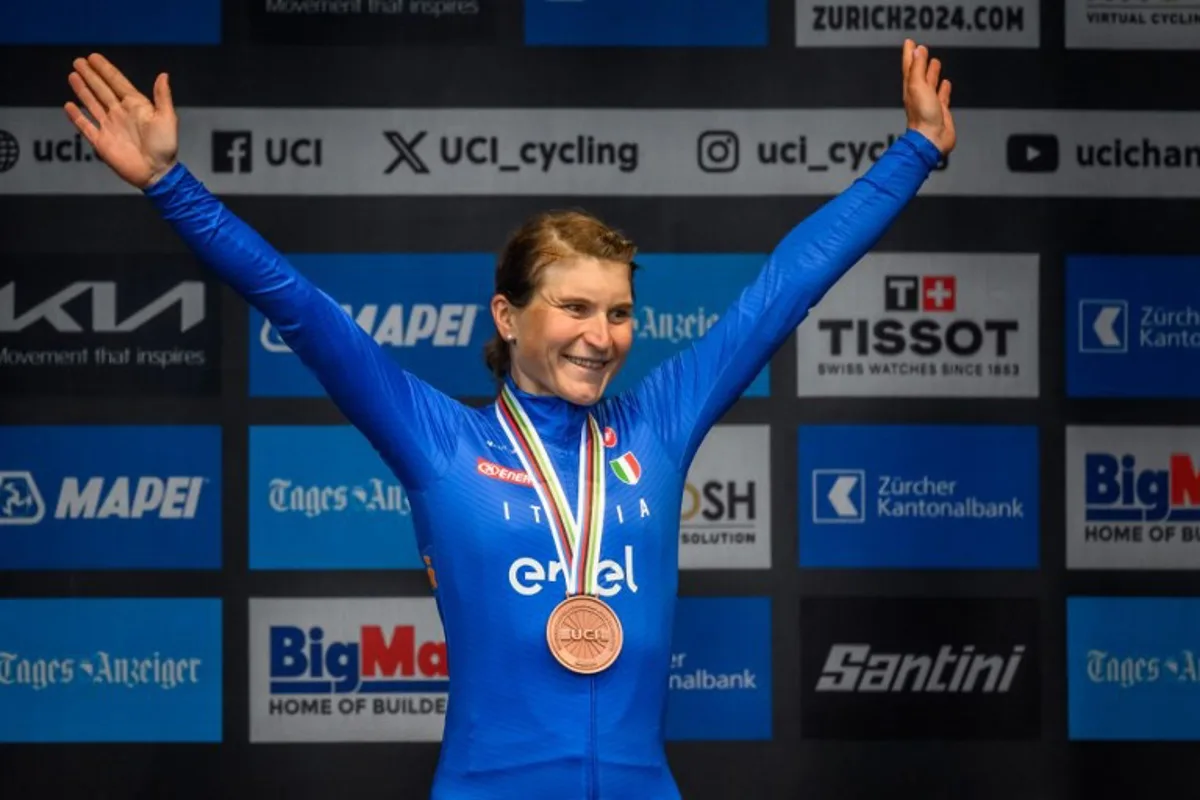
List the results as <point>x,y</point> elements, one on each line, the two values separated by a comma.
<point>412,425</point>
<point>688,392</point>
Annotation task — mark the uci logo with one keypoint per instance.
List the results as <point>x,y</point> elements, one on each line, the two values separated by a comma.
<point>527,576</point>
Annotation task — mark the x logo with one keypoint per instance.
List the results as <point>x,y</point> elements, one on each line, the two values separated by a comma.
<point>406,150</point>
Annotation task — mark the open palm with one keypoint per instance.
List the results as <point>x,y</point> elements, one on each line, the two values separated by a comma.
<point>136,138</point>
<point>927,97</point>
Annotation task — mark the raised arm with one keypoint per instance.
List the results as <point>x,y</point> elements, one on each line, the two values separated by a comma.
<point>412,425</point>
<point>687,393</point>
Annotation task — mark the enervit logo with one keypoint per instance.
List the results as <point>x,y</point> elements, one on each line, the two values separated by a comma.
<point>97,498</point>
<point>233,151</point>
<point>346,669</point>
<point>445,325</point>
<point>188,295</point>
<point>1103,326</point>
<point>528,576</point>
<point>951,668</point>
<point>907,324</point>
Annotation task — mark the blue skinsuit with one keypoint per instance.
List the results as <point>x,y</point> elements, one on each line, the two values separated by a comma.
<point>518,724</point>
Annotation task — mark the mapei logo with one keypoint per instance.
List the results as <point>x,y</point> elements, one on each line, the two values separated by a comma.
<point>20,501</point>
<point>1117,490</point>
<point>921,317</point>
<point>445,325</point>
<point>305,662</point>
<point>839,496</point>
<point>1103,326</point>
<point>122,497</point>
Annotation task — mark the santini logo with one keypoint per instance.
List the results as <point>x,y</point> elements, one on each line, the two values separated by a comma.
<point>856,668</point>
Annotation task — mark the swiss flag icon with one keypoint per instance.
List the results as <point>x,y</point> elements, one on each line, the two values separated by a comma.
<point>938,293</point>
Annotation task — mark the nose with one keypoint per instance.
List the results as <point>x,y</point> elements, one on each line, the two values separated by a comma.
<point>597,334</point>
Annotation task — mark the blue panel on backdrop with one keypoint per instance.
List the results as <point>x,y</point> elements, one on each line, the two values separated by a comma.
<point>322,498</point>
<point>110,497</point>
<point>429,312</point>
<point>678,298</point>
<point>110,22</point>
<point>720,683</point>
<point>1133,326</point>
<point>919,496</point>
<point>653,23</point>
<point>1133,668</point>
<point>110,670</point>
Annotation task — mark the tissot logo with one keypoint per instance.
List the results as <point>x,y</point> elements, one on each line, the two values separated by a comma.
<point>900,668</point>
<point>919,293</point>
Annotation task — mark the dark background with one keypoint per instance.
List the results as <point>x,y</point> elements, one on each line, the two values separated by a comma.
<point>497,71</point>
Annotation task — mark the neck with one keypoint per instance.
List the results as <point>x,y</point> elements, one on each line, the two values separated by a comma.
<point>556,420</point>
<point>527,384</point>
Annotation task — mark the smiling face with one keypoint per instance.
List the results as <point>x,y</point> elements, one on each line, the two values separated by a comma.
<point>575,332</point>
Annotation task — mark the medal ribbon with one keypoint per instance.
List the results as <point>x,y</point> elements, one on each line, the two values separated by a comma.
<point>576,535</point>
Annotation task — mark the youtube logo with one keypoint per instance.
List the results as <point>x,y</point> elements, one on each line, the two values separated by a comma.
<point>1032,152</point>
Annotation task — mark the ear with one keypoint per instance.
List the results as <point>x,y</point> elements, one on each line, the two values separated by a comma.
<point>504,314</point>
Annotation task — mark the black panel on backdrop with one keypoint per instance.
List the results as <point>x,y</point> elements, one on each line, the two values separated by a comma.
<point>109,325</point>
<point>375,22</point>
<point>916,668</point>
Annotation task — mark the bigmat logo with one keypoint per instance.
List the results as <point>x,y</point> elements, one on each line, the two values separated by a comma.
<point>919,496</point>
<point>347,670</point>
<point>427,311</point>
<point>725,520</point>
<point>925,668</point>
<point>1133,498</point>
<point>110,670</point>
<point>110,497</point>
<point>1133,326</point>
<point>322,498</point>
<point>925,325</point>
<point>1133,668</point>
<point>720,684</point>
<point>111,325</point>
<point>679,299</point>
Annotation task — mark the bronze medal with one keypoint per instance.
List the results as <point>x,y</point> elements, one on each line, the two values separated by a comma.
<point>584,634</point>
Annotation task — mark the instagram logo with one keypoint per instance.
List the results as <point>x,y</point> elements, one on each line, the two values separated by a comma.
<point>717,151</point>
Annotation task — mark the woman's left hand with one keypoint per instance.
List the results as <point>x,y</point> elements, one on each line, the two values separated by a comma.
<point>926,101</point>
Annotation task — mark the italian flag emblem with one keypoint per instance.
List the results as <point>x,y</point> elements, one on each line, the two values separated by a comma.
<point>627,468</point>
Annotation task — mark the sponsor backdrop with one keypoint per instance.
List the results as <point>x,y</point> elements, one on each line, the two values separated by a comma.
<point>950,532</point>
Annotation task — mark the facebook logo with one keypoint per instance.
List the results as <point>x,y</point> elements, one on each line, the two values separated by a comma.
<point>231,151</point>
<point>839,496</point>
<point>1103,326</point>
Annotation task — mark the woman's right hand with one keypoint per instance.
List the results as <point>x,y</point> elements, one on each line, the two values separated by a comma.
<point>136,138</point>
